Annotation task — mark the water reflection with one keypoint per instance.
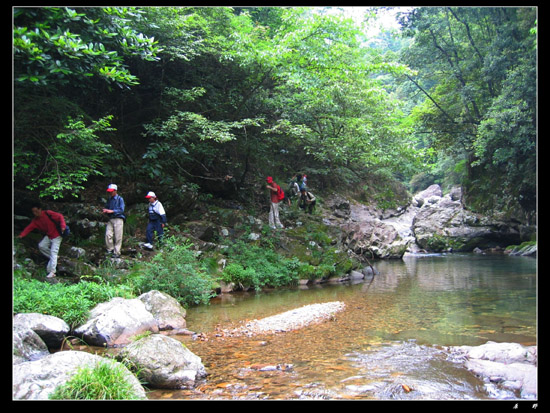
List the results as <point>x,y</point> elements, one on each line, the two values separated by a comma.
<point>388,337</point>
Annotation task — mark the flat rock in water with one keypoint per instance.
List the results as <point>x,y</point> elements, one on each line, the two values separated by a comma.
<point>294,319</point>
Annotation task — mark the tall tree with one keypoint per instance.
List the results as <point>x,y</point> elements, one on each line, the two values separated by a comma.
<point>481,105</point>
<point>61,55</point>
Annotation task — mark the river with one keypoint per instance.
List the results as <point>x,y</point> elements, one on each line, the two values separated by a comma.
<point>388,343</point>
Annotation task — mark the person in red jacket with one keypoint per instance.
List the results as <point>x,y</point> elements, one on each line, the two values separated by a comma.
<point>274,204</point>
<point>47,222</point>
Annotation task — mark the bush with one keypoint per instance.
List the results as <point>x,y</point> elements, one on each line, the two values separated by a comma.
<point>177,272</point>
<point>254,266</point>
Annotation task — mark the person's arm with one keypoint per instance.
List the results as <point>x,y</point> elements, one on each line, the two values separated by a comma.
<point>159,209</point>
<point>27,229</point>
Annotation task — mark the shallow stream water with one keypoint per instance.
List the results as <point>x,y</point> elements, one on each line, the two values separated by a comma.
<point>388,343</point>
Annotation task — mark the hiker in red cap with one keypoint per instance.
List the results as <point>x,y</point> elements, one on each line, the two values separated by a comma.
<point>114,209</point>
<point>277,195</point>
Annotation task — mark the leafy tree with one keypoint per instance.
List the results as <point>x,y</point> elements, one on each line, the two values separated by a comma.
<point>59,56</point>
<point>477,70</point>
<point>53,44</point>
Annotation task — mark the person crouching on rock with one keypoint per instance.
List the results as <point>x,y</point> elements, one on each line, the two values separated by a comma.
<point>157,220</point>
<point>52,225</point>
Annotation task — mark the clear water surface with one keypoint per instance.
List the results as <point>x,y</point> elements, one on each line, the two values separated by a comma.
<point>388,343</point>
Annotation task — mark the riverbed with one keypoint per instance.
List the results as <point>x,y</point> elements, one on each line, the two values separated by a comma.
<point>387,344</point>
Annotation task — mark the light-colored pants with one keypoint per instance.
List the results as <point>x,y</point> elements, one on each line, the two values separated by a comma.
<point>274,215</point>
<point>50,248</point>
<point>113,235</point>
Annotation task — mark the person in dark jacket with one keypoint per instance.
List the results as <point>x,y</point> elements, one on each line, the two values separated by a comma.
<point>157,220</point>
<point>50,223</point>
<point>307,200</point>
<point>114,209</point>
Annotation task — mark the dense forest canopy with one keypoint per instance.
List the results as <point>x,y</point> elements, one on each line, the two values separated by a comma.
<point>184,96</point>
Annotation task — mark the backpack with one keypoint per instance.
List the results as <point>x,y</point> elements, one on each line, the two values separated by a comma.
<point>280,193</point>
<point>65,233</point>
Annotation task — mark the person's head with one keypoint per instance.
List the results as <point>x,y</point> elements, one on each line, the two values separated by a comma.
<point>269,180</point>
<point>36,209</point>
<point>151,197</point>
<point>303,191</point>
<point>112,189</point>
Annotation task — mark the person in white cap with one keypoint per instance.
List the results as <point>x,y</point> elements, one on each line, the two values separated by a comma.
<point>157,220</point>
<point>114,209</point>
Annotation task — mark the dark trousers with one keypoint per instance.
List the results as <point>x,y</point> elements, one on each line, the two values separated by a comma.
<point>152,227</point>
<point>308,207</point>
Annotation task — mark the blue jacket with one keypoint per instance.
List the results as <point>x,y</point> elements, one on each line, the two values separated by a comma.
<point>116,203</point>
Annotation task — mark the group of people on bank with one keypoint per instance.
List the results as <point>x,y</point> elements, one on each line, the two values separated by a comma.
<point>52,224</point>
<point>297,188</point>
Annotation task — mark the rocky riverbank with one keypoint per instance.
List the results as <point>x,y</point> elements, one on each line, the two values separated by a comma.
<point>430,222</point>
<point>505,368</point>
<point>139,326</point>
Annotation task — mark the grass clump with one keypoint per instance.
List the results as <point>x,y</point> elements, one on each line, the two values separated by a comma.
<point>70,302</point>
<point>103,381</point>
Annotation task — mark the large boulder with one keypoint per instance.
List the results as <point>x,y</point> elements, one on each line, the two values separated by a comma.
<point>27,345</point>
<point>374,238</point>
<point>442,223</point>
<point>432,191</point>
<point>116,322</point>
<point>511,365</point>
<point>431,222</point>
<point>37,380</point>
<point>168,312</point>
<point>52,330</point>
<point>164,362</point>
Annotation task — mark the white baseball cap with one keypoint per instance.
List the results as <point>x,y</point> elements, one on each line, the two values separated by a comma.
<point>150,195</point>
<point>112,187</point>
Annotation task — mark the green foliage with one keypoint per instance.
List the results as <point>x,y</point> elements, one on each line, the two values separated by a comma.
<point>177,272</point>
<point>476,68</point>
<point>68,302</point>
<point>257,267</point>
<point>55,44</point>
<point>69,159</point>
<point>268,90</point>
<point>105,380</point>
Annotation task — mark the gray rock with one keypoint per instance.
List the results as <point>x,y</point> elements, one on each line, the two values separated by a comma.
<point>432,191</point>
<point>52,330</point>
<point>36,380</point>
<point>511,365</point>
<point>116,322</point>
<point>27,345</point>
<point>168,312</point>
<point>164,362</point>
